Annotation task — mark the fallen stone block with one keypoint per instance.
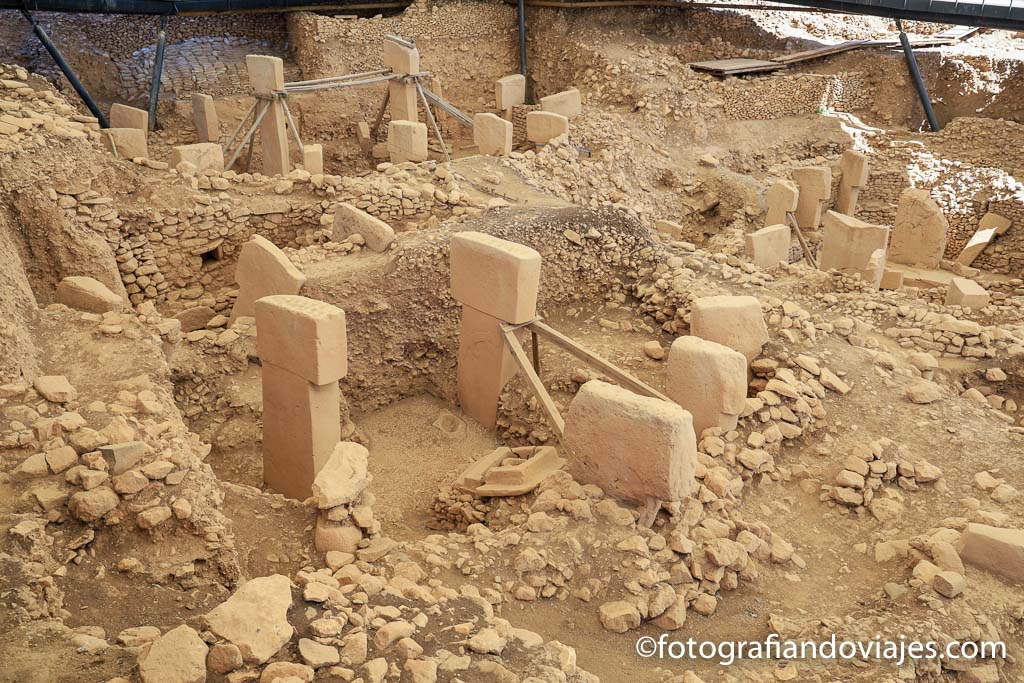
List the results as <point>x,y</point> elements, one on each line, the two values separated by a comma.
<point>348,220</point>
<point>1000,551</point>
<point>768,246</point>
<point>991,226</point>
<point>709,380</point>
<point>669,229</point>
<point>848,243</point>
<point>121,457</point>
<point>510,478</point>
<point>204,156</point>
<point>344,478</point>
<point>178,656</point>
<point>966,293</point>
<point>733,321</point>
<point>633,447</point>
<point>55,388</point>
<point>87,294</point>
<point>919,231</point>
<point>891,279</point>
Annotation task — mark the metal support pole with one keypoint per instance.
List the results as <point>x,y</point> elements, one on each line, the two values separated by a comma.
<point>522,46</point>
<point>66,69</point>
<point>915,72</point>
<point>158,70</point>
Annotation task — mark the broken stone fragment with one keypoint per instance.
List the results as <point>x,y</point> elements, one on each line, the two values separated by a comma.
<point>344,478</point>
<point>619,616</point>
<point>55,388</point>
<point>316,655</point>
<point>89,506</point>
<point>255,618</point>
<point>179,656</point>
<point>87,294</point>
<point>924,392</point>
<point>121,457</point>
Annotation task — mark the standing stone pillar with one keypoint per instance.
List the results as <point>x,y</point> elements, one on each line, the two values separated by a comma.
<point>495,281</point>
<point>855,176</point>
<point>815,185</point>
<point>402,94</point>
<point>303,346</point>
<point>782,198</point>
<point>266,74</point>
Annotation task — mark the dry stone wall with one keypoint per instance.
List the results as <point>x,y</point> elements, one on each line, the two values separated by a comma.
<point>185,256</point>
<point>776,96</point>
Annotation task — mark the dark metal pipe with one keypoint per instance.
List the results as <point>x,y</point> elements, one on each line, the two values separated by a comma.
<point>66,69</point>
<point>158,70</point>
<point>522,47</point>
<point>915,72</point>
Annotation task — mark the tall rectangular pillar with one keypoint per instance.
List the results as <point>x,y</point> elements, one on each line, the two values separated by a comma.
<point>402,101</point>
<point>495,281</point>
<point>301,427</point>
<point>266,75</point>
<point>302,344</point>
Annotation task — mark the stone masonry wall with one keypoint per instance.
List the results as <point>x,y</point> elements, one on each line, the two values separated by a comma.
<point>971,167</point>
<point>185,256</point>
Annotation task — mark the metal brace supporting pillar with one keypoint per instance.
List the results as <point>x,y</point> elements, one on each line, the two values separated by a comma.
<point>158,70</point>
<point>66,69</point>
<point>915,72</point>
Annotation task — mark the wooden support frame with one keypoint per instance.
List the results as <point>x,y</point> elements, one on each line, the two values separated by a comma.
<point>546,402</point>
<point>589,356</point>
<point>532,370</point>
<point>791,217</point>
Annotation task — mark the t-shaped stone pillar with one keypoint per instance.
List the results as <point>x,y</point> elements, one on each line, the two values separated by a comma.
<point>402,59</point>
<point>855,176</point>
<point>303,346</point>
<point>781,198</point>
<point>815,183</point>
<point>266,75</point>
<point>495,281</point>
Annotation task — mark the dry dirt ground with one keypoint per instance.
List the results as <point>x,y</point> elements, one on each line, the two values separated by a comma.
<point>446,586</point>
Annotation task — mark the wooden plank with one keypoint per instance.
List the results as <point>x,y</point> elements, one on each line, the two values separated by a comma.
<point>800,238</point>
<point>819,52</point>
<point>589,356</point>
<point>729,67</point>
<point>546,403</point>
